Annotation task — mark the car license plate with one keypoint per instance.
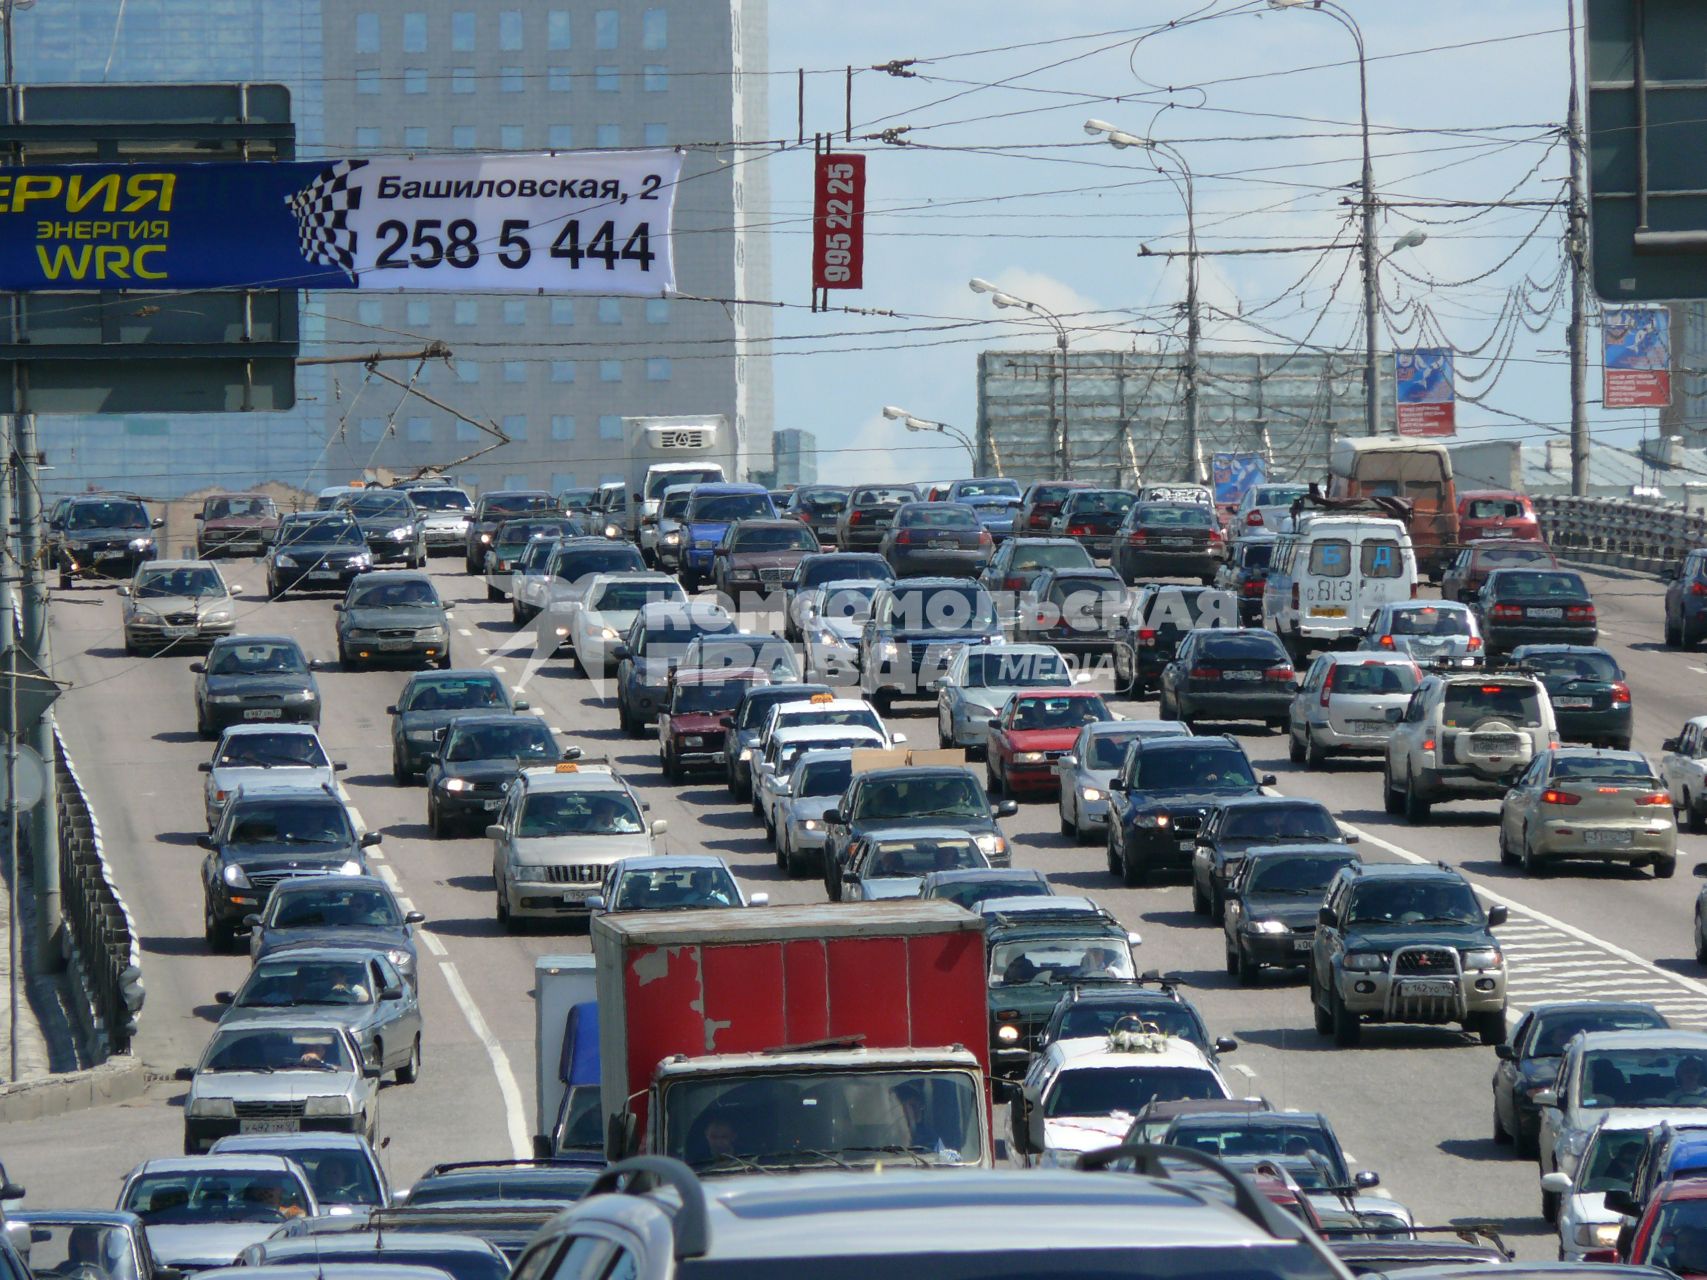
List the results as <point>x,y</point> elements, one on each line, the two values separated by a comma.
<point>288,1125</point>
<point>1366,726</point>
<point>1300,944</point>
<point>322,574</point>
<point>1188,846</point>
<point>1573,702</point>
<point>491,806</point>
<point>1608,839</point>
<point>263,713</point>
<point>395,644</point>
<point>177,633</point>
<point>109,555</point>
<point>1176,542</point>
<point>1326,611</point>
<point>1241,675</point>
<point>944,544</point>
<point>1545,614</point>
<point>1427,988</point>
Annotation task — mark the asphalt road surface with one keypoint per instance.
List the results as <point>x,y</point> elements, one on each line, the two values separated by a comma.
<point>1412,1103</point>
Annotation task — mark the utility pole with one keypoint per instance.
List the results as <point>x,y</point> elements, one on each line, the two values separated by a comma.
<point>8,618</point>
<point>34,640</point>
<point>1576,246</point>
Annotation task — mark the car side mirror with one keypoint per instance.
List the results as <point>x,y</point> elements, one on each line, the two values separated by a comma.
<point>1545,1098</point>
<point>1505,1053</point>
<point>571,753</point>
<point>371,1071</point>
<point>1350,837</point>
<point>1267,780</point>
<point>1325,916</point>
<point>660,827</point>
<point>728,722</point>
<point>1004,1091</point>
<point>520,704</point>
<point>414,917</point>
<point>1556,1183</point>
<point>596,903</point>
<point>206,766</point>
<point>839,818</point>
<point>198,667</point>
<point>1670,744</point>
<point>369,839</point>
<point>898,739</point>
<point>124,591</point>
<point>759,900</point>
<point>1393,715</point>
<point>185,1074</point>
<point>1117,784</point>
<point>1357,633</point>
<point>340,766</point>
<point>159,522</point>
<point>1366,1179</point>
<point>621,651</point>
<point>1497,915</point>
<point>391,993</point>
<point>1622,1201</point>
<point>495,831</point>
<point>338,607</point>
<point>251,921</point>
<point>224,997</point>
<point>236,590</point>
<point>204,842</point>
<point>315,664</point>
<point>1225,1044</point>
<point>1700,869</point>
<point>1068,761</point>
<point>1202,840</point>
<point>1005,809</point>
<point>938,685</point>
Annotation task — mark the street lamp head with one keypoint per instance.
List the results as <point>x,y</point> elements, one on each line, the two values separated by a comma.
<point>1006,300</point>
<point>1294,4</point>
<point>1095,127</point>
<point>894,413</point>
<point>1410,240</point>
<point>979,285</point>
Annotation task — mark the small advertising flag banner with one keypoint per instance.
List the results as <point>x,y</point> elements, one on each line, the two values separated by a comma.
<point>1235,473</point>
<point>1425,404</point>
<point>838,221</point>
<point>1636,368</point>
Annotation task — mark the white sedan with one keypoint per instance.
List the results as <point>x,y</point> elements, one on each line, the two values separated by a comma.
<point>606,610</point>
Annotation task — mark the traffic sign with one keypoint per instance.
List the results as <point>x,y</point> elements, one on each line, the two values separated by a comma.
<point>36,690</point>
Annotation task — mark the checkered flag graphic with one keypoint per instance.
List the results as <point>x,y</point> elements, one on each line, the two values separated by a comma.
<point>322,210</point>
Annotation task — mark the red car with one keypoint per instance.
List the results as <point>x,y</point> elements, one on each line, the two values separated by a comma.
<point>690,727</point>
<point>1035,729</point>
<point>1672,1232</point>
<point>1496,513</point>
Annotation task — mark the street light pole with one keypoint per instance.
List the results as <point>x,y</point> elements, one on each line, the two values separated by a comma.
<point>1002,298</point>
<point>912,423</point>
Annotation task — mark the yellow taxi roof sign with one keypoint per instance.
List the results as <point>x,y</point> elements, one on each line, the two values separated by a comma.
<point>820,698</point>
<point>566,767</point>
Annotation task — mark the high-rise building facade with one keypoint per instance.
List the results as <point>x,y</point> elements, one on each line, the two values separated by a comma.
<point>442,77</point>
<point>796,454</point>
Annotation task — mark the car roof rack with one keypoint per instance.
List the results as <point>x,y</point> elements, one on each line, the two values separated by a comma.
<point>456,1166</point>
<point>1470,1232</point>
<point>1151,1159</point>
<point>691,1226</point>
<point>1066,915</point>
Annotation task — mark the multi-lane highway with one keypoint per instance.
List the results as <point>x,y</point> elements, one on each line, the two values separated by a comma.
<point>1413,1103</point>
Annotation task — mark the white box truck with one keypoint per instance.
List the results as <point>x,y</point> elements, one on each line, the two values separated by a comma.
<point>568,1116</point>
<point>671,450</point>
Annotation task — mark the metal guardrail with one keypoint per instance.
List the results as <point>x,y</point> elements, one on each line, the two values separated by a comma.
<point>100,935</point>
<point>1648,537</point>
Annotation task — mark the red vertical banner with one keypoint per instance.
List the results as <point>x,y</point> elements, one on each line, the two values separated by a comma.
<point>838,221</point>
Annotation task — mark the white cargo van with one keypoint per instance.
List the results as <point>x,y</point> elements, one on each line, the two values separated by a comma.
<point>1330,574</point>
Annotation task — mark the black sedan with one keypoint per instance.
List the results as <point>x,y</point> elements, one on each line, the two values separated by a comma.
<point>1240,825</point>
<point>1091,517</point>
<point>1591,701</point>
<point>321,551</point>
<point>253,679</point>
<point>328,911</point>
<point>1076,610</point>
<point>936,539</point>
<point>1535,606</point>
<point>1269,916</point>
<point>391,525</point>
<point>393,617</point>
<point>1169,540</point>
<point>477,756</point>
<point>428,703</point>
<point>1228,675</point>
<point>1162,795</point>
<point>1161,615</point>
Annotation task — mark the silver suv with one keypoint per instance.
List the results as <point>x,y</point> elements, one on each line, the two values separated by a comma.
<point>1465,735</point>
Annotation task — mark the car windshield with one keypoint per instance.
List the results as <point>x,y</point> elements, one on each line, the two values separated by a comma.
<point>1103,502</point>
<point>1575,666</point>
<point>1428,621</point>
<point>766,537</point>
<point>784,754</point>
<point>314,907</point>
<point>1553,1031</point>
<point>1108,750</point>
<point>1256,555</point>
<point>629,597</point>
<point>845,603</point>
<point>823,502</point>
<point>1538,584</point>
<point>1057,713</point>
<point>778,1119</point>
<point>987,489</point>
<point>1609,1164</point>
<point>503,506</point>
<point>154,583</point>
<point>564,1186</point>
<point>285,983</point>
<point>730,506</point>
<point>938,515</point>
<point>923,795</point>
<point>106,515</point>
<point>1092,1019</point>
<point>326,533</point>
<point>738,653</point>
<point>1279,495</point>
<point>453,693</point>
<point>270,751</point>
<point>1106,1091</point>
<point>344,1177</point>
<point>1051,555</point>
<point>1658,1077</point>
<point>1467,705</point>
<point>579,813</point>
<point>997,669</point>
<point>662,480</point>
<point>921,855</point>
<point>1416,902</point>
<point>840,569</point>
<point>1293,1143</point>
<point>1374,677</point>
<point>406,593</point>
<point>518,533</point>
<point>306,823</point>
<point>229,508</point>
<point>975,889</point>
<point>369,505</point>
<point>673,888</point>
<point>536,556</point>
<point>825,778</point>
<point>1296,875</point>
<point>1050,493</point>
<point>878,497</point>
<point>1495,509</point>
<point>675,630</point>
<point>576,563</point>
<point>1626,770</point>
<point>1489,558</point>
<point>215,1195</point>
<point>944,610</point>
<point>1236,646</point>
<point>705,699</point>
<point>1194,516</point>
<point>1059,960</point>
<point>1286,820</point>
<point>276,1049</point>
<point>675,505</point>
<point>1206,768</point>
<point>256,657</point>
<point>440,499</point>
<point>87,1250</point>
<point>524,740</point>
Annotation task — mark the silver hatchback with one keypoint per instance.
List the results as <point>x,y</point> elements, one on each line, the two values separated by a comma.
<point>1341,704</point>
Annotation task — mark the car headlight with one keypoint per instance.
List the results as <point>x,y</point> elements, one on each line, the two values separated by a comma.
<point>1484,958</point>
<point>285,562</point>
<point>1598,1235</point>
<point>826,637</point>
<point>401,535</point>
<point>531,873</point>
<point>1091,793</point>
<point>224,699</point>
<point>404,960</point>
<point>485,537</point>
<point>608,633</point>
<point>1007,1033</point>
<point>745,574</point>
<point>457,784</point>
<point>1574,1142</point>
<point>430,633</point>
<point>300,695</point>
<point>671,539</point>
<point>361,562</point>
<point>612,531</point>
<point>1365,961</point>
<point>218,615</point>
<point>142,544</point>
<point>1265,926</point>
<point>1029,757</point>
<point>350,868</point>
<point>1154,820</point>
<point>812,824</point>
<point>213,1107</point>
<point>888,651</point>
<point>326,1104</point>
<point>693,740</point>
<point>746,753</point>
<point>235,876</point>
<point>991,844</point>
<point>420,735</point>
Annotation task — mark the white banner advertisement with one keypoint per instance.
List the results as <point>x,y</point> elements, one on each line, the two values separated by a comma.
<point>574,222</point>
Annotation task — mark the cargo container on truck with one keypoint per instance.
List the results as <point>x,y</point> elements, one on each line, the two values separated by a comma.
<point>567,1117</point>
<point>1417,471</point>
<point>672,450</point>
<point>801,1037</point>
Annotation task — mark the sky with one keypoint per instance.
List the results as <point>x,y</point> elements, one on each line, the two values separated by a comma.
<point>995,177</point>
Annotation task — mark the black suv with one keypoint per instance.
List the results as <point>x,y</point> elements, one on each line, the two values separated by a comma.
<point>924,795</point>
<point>1239,825</point>
<point>1157,620</point>
<point>100,536</point>
<point>1159,800</point>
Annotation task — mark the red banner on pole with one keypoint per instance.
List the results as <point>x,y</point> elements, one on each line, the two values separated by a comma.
<point>838,221</point>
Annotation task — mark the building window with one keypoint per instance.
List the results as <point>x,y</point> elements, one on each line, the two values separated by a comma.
<point>370,311</point>
<point>511,80</point>
<point>610,310</point>
<point>610,427</point>
<point>462,137</point>
<point>466,311</point>
<point>414,80</point>
<point>462,79</point>
<point>420,430</point>
<point>655,135</point>
<point>656,78</point>
<point>418,312</point>
<point>658,369</point>
<point>414,33</point>
<point>515,480</point>
<point>515,371</point>
<point>563,371</point>
<point>657,311</point>
<point>371,429</point>
<point>563,311</point>
<point>462,32</point>
<point>467,371</point>
<point>559,137</point>
<point>561,480</point>
<point>607,28</point>
<point>516,426</point>
<point>610,371</point>
<point>415,138</point>
<point>466,430</point>
<point>654,29</point>
<point>367,138</point>
<point>510,137</point>
<point>608,135</point>
<point>558,79</point>
<point>367,33</point>
<point>563,428</point>
<point>367,80</point>
<point>557,29</point>
<point>510,30</point>
<point>515,311</point>
<point>607,79</point>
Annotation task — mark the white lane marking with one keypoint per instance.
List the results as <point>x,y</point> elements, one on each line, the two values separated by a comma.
<point>433,943</point>
<point>464,631</point>
<point>501,671</point>
<point>521,1143</point>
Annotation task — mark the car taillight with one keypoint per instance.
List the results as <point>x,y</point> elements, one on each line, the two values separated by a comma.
<point>1042,617</point>
<point>1551,796</point>
<point>1255,517</point>
<point>1147,637</point>
<point>1386,642</point>
<point>1328,684</point>
<point>1251,587</point>
<point>1620,693</point>
<point>1579,612</point>
<point>1011,583</point>
<point>1079,530</point>
<point>1428,744</point>
<point>903,537</point>
<point>1655,799</point>
<point>984,538</point>
<point>1505,613</point>
<point>1474,644</point>
<point>1215,535</point>
<point>1206,673</point>
<point>856,517</point>
<point>1278,675</point>
<point>1698,588</point>
<point>1137,538</point>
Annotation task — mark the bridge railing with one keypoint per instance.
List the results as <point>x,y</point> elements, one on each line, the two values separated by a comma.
<point>1644,536</point>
